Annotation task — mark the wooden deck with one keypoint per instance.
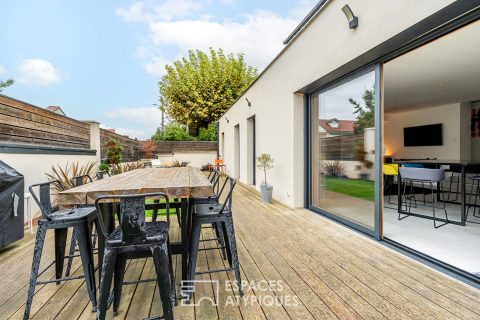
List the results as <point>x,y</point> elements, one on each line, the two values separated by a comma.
<point>316,269</point>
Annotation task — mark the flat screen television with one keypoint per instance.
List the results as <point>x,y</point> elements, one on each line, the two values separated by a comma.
<point>429,135</point>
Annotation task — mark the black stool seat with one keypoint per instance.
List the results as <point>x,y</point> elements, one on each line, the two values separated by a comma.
<point>72,215</point>
<point>209,209</point>
<point>154,232</point>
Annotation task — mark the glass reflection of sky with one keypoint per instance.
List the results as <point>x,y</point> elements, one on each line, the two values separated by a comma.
<point>334,102</point>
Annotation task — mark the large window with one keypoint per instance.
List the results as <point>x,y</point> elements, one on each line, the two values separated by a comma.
<point>343,143</point>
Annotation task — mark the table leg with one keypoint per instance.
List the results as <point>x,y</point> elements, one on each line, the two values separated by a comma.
<point>464,191</point>
<point>184,235</point>
<point>399,192</point>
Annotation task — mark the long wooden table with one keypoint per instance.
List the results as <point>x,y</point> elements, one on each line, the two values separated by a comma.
<point>182,182</point>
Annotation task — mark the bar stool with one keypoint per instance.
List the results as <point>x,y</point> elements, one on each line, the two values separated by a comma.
<point>61,221</point>
<point>211,214</point>
<point>475,182</point>
<point>135,238</point>
<point>390,170</point>
<point>424,176</point>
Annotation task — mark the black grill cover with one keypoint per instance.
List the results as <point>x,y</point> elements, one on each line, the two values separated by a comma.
<point>11,223</point>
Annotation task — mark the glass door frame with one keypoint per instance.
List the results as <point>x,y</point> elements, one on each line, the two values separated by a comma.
<point>378,163</point>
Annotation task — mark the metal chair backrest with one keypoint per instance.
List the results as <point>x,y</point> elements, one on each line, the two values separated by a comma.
<point>43,200</point>
<point>227,204</point>
<point>422,174</point>
<point>101,174</point>
<point>132,215</point>
<point>80,180</point>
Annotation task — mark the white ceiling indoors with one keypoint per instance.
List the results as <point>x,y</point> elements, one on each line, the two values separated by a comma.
<point>441,72</point>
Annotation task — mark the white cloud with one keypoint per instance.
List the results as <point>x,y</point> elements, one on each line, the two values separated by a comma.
<point>169,9</point>
<point>146,117</point>
<point>133,133</point>
<point>156,66</point>
<point>134,13</point>
<point>3,71</point>
<point>258,34</point>
<point>37,72</point>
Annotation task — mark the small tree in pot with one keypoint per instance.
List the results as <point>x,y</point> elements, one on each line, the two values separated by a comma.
<point>265,162</point>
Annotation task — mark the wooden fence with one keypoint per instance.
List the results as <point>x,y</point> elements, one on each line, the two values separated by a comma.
<point>23,123</point>
<point>341,147</point>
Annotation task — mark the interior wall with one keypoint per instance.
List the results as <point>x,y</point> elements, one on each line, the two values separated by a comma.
<point>454,136</point>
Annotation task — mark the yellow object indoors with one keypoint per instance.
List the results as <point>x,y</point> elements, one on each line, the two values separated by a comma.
<point>390,169</point>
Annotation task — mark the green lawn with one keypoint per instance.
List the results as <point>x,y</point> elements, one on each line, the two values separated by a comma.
<point>357,188</point>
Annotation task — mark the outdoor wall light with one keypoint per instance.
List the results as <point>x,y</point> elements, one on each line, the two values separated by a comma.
<point>228,121</point>
<point>248,102</point>
<point>352,20</point>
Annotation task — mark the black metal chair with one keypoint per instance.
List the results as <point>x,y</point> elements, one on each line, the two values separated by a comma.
<point>215,213</point>
<point>214,199</point>
<point>135,238</point>
<point>77,181</point>
<point>476,195</point>
<point>101,174</point>
<point>61,220</point>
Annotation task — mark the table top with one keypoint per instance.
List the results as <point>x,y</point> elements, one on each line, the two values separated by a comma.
<point>180,182</point>
<point>460,162</point>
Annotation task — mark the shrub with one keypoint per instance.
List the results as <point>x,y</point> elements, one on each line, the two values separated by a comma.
<point>114,152</point>
<point>178,163</point>
<point>63,175</point>
<point>124,167</point>
<point>149,149</point>
<point>333,168</point>
<point>172,132</point>
<point>209,133</point>
<point>206,167</point>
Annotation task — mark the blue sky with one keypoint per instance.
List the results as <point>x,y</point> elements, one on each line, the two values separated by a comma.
<point>101,60</point>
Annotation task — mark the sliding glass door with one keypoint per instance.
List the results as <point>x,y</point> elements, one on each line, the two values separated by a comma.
<point>342,122</point>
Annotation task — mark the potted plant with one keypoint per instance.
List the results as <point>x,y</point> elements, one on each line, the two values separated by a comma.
<point>265,162</point>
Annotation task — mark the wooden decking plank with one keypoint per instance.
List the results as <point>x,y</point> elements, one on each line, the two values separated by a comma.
<point>227,305</point>
<point>141,302</point>
<point>310,304</point>
<point>337,239</point>
<point>204,291</point>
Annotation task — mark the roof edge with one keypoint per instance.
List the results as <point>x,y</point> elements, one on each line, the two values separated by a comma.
<point>310,16</point>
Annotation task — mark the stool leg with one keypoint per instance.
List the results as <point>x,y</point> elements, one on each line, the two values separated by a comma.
<point>60,244</point>
<point>73,245</point>
<point>233,249</point>
<point>106,282</point>
<point>221,238</point>
<point>172,271</point>
<point>118,277</point>
<point>84,234</point>
<point>433,209</point>
<point>177,212</point>
<point>167,295</point>
<point>37,256</point>
<point>192,263</point>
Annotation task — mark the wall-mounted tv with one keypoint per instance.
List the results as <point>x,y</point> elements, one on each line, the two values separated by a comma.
<point>429,135</point>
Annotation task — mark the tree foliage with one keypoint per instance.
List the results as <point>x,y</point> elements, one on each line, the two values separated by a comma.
<point>6,83</point>
<point>365,115</point>
<point>149,149</point>
<point>114,152</point>
<point>199,88</point>
<point>172,132</point>
<point>209,133</point>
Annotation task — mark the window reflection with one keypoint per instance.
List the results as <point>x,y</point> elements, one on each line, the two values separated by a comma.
<point>343,143</point>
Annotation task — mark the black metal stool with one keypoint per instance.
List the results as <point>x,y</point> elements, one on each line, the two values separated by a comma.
<point>476,181</point>
<point>133,239</point>
<point>212,214</point>
<point>101,174</point>
<point>423,176</point>
<point>60,220</point>
<point>77,181</point>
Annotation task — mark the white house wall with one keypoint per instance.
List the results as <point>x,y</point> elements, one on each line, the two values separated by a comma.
<point>326,44</point>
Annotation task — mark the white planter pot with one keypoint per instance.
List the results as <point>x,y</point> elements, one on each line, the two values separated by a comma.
<point>266,193</point>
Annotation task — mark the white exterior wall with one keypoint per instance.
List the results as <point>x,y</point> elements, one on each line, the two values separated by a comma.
<point>34,166</point>
<point>326,44</point>
<point>196,159</point>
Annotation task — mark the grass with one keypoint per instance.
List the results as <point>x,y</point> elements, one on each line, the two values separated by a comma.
<point>357,188</point>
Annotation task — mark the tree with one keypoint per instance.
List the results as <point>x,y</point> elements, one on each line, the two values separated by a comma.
<point>199,88</point>
<point>6,83</point>
<point>265,163</point>
<point>365,116</point>
<point>114,152</point>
